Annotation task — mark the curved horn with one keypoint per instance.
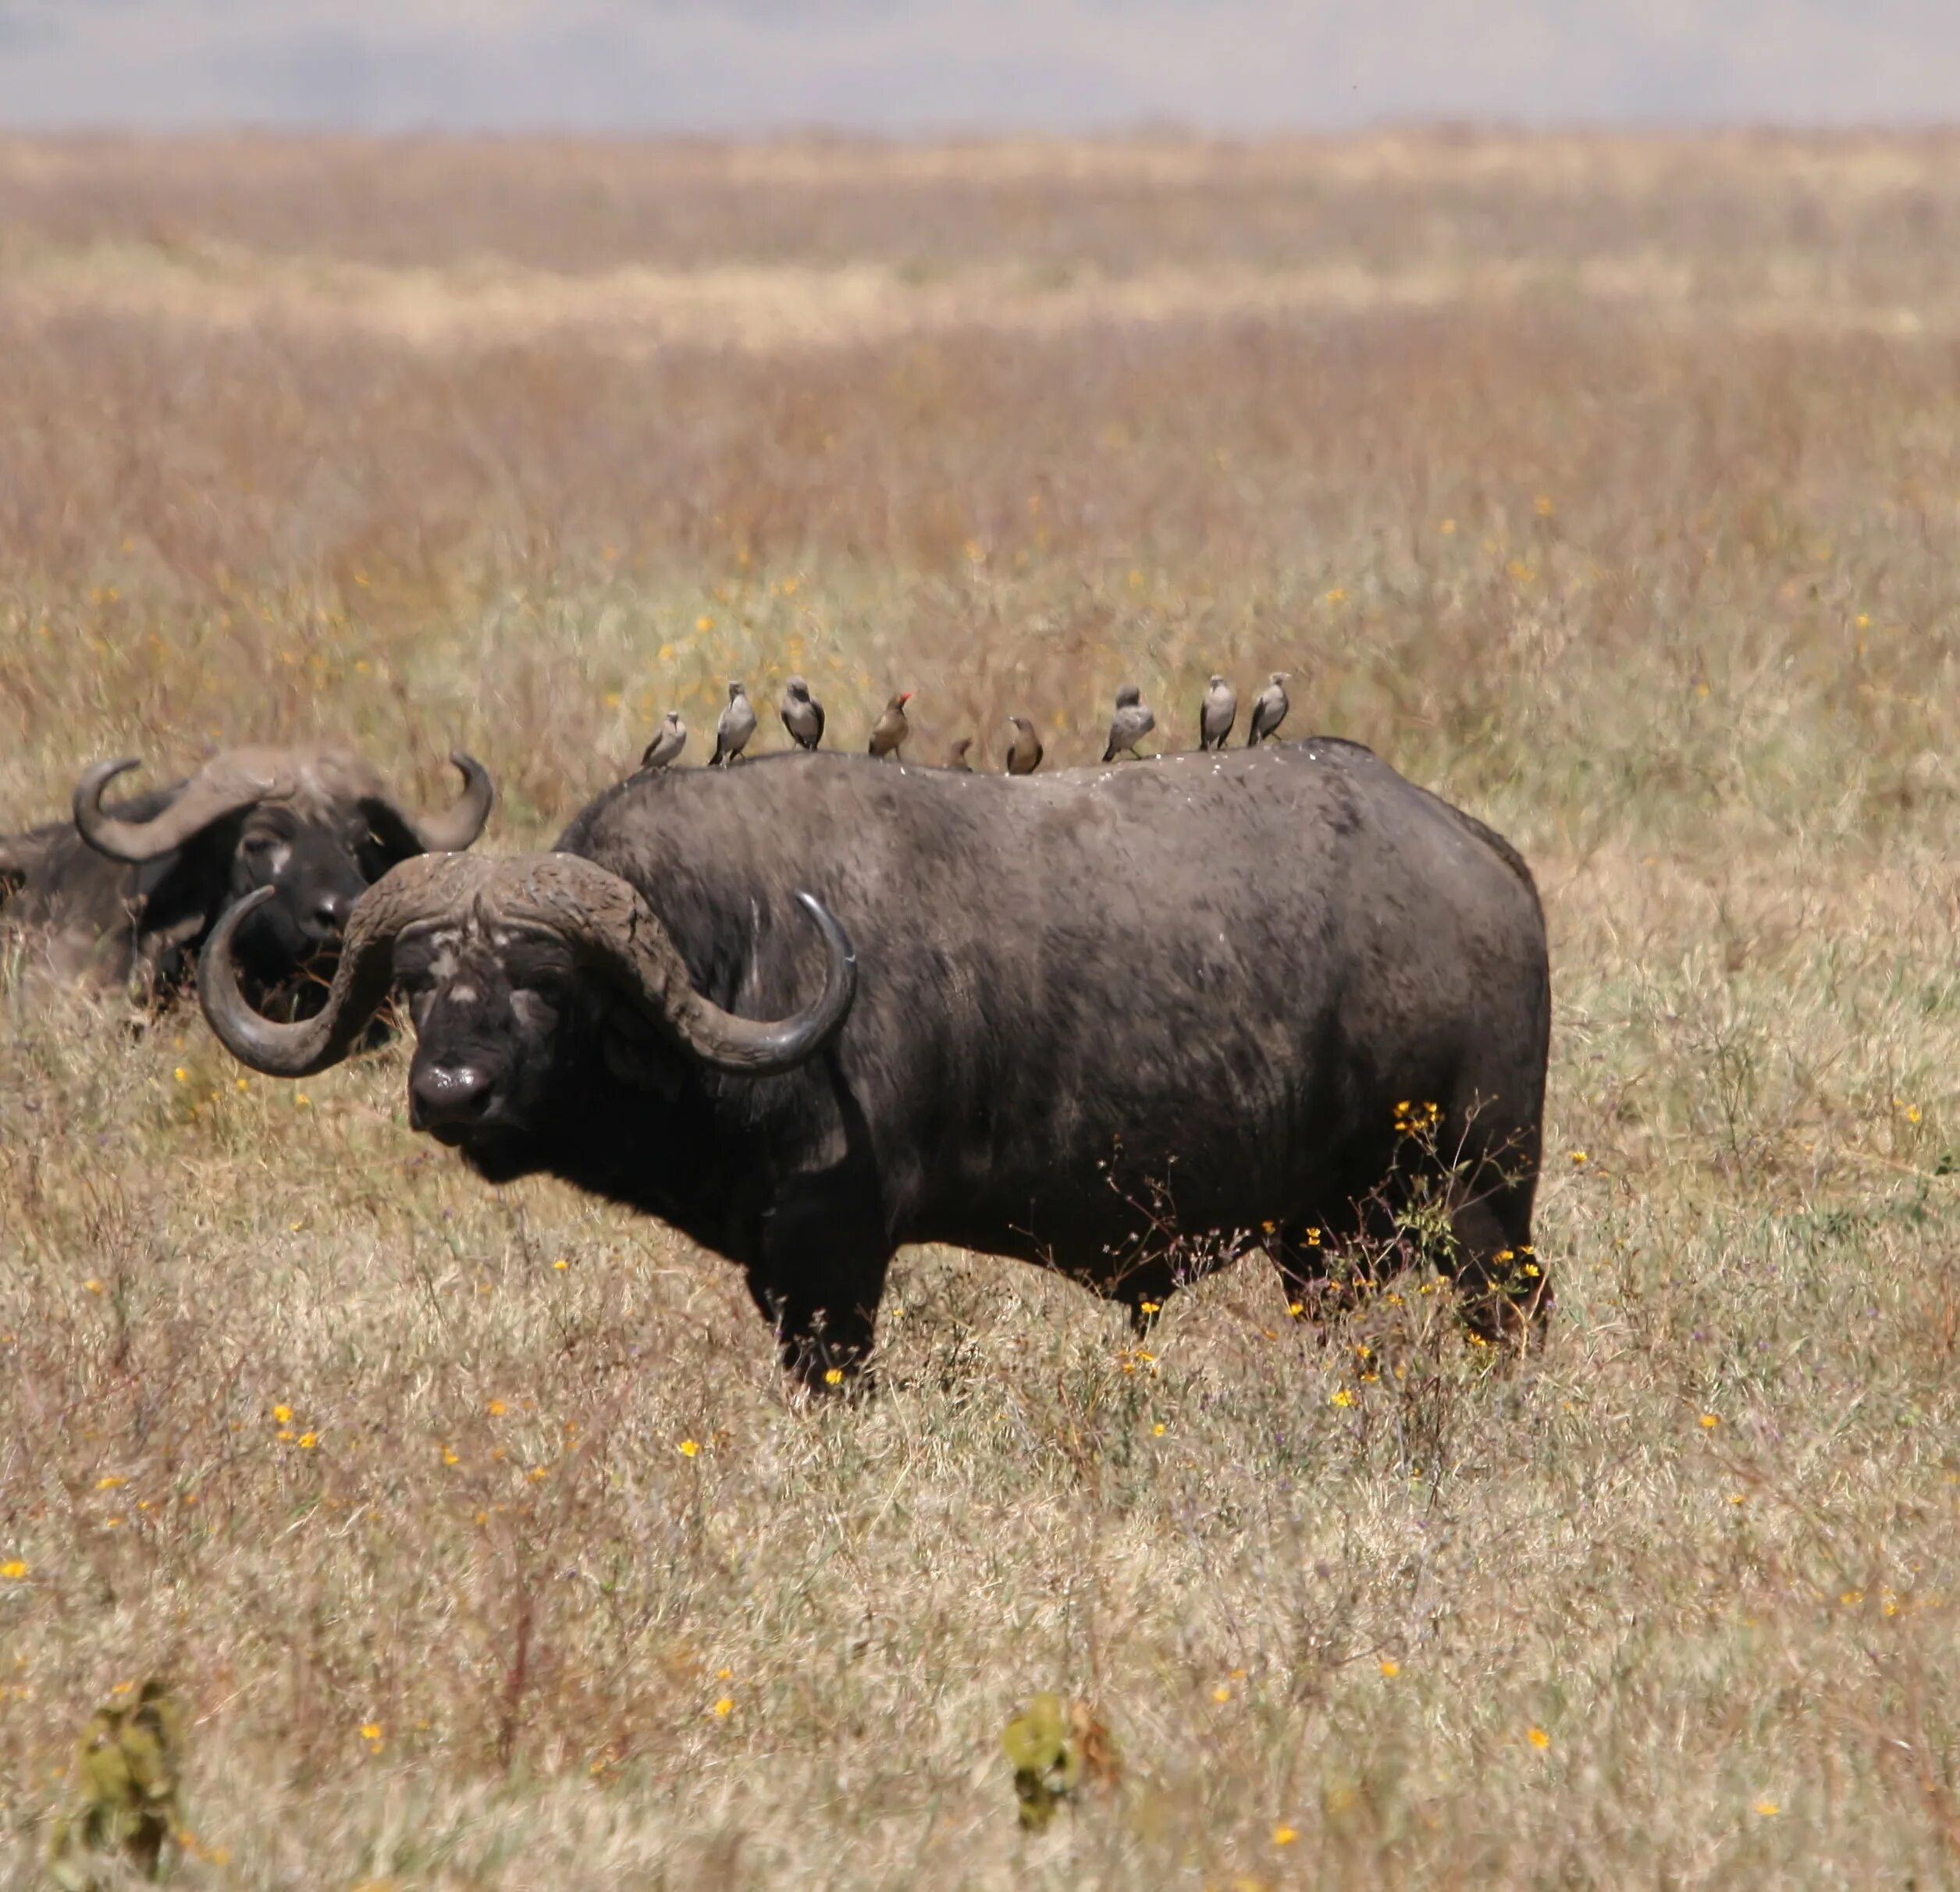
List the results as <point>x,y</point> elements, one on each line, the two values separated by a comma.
<point>608,918</point>
<point>578,899</point>
<point>453,829</point>
<point>212,793</point>
<point>361,980</point>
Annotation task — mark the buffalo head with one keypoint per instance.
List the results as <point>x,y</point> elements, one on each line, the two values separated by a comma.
<point>516,972</point>
<point>311,828</point>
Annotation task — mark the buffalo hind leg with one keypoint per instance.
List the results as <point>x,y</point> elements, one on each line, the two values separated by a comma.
<point>1502,1285</point>
<point>1507,1295</point>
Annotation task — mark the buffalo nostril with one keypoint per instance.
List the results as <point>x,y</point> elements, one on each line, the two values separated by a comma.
<point>448,1095</point>
<point>329,914</point>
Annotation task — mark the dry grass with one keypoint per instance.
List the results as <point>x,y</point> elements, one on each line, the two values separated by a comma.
<point>1668,594</point>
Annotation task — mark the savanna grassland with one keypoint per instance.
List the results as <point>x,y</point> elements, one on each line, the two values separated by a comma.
<point>1610,487</point>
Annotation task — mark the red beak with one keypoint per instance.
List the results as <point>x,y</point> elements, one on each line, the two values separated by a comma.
<point>905,697</point>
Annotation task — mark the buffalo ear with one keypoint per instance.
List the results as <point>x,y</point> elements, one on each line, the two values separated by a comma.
<point>388,830</point>
<point>635,1055</point>
<point>172,900</point>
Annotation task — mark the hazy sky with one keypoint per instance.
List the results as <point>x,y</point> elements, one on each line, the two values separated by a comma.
<point>909,64</point>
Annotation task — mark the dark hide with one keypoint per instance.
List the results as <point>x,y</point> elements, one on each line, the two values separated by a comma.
<point>1093,1005</point>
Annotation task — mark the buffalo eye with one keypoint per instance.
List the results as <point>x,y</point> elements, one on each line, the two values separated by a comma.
<point>415,986</point>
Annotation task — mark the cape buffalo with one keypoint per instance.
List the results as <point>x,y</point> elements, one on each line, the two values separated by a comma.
<point>1210,993</point>
<point>125,894</point>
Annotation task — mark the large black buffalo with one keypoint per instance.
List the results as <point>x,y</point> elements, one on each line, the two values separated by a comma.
<point>125,895</point>
<point>1089,1017</point>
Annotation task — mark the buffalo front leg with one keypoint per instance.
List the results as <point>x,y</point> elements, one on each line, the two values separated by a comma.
<point>819,1283</point>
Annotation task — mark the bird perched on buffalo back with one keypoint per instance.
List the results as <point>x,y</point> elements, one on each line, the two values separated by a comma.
<point>736,725</point>
<point>1132,722</point>
<point>1025,756</point>
<point>888,733</point>
<point>668,741</point>
<point>803,714</point>
<point>1216,713</point>
<point>956,756</point>
<point>1270,711</point>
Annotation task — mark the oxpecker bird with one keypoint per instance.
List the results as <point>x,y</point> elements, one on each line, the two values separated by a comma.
<point>888,733</point>
<point>1216,713</point>
<point>1132,723</point>
<point>956,756</point>
<point>803,714</point>
<point>1024,757</point>
<point>736,725</point>
<point>668,741</point>
<point>1270,711</point>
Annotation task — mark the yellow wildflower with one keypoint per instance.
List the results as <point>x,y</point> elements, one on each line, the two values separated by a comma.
<point>689,1448</point>
<point>1539,1738</point>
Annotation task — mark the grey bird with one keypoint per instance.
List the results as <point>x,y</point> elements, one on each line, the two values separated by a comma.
<point>732,732</point>
<point>1132,722</point>
<point>1216,713</point>
<point>1024,757</point>
<point>1270,711</point>
<point>803,714</point>
<point>888,733</point>
<point>956,756</point>
<point>668,741</point>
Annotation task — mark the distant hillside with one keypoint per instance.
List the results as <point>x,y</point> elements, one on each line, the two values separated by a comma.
<point>905,65</point>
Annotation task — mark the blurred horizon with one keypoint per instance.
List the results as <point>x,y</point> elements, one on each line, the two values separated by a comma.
<point>906,67</point>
